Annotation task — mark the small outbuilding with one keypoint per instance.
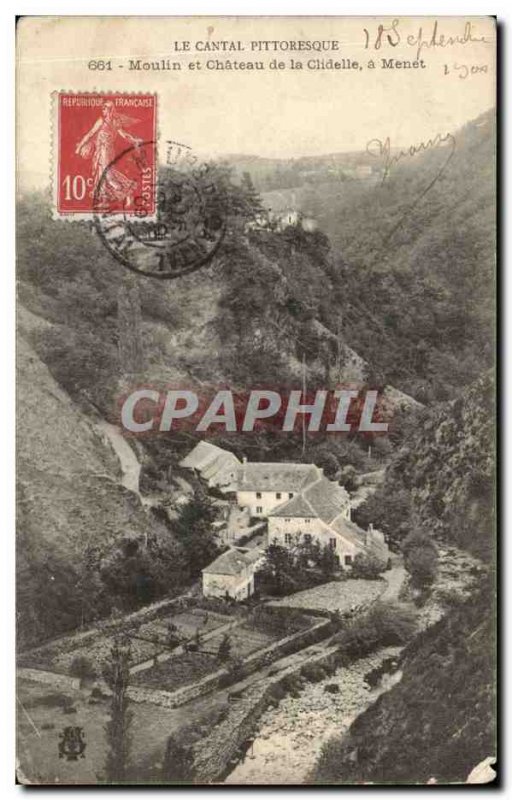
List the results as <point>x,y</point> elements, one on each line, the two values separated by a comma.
<point>231,574</point>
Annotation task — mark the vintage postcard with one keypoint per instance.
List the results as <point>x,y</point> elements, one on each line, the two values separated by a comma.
<point>256,265</point>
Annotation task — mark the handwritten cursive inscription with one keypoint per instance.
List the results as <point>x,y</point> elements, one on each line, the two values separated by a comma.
<point>437,39</point>
<point>391,35</point>
<point>382,149</point>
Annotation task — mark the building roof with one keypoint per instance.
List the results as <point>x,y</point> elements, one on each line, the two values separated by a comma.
<point>201,455</point>
<point>276,477</point>
<point>209,460</point>
<point>370,541</point>
<point>232,562</point>
<point>221,463</point>
<point>323,499</point>
<point>349,531</point>
<point>298,506</point>
<point>327,498</point>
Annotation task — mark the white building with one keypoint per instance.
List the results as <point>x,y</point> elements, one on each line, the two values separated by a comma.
<point>300,505</point>
<point>263,486</point>
<point>231,574</point>
<point>216,466</point>
<point>321,515</point>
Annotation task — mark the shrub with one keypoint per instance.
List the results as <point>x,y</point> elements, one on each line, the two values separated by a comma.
<point>291,683</point>
<point>83,668</point>
<point>98,694</point>
<point>421,564</point>
<point>313,673</point>
<point>395,623</point>
<point>52,700</point>
<point>276,693</point>
<point>418,539</point>
<point>368,566</point>
<point>349,478</point>
<point>385,624</point>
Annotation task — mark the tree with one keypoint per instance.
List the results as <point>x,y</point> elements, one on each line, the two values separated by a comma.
<point>328,461</point>
<point>348,478</point>
<point>278,569</point>
<point>196,534</point>
<point>389,510</point>
<point>421,564</point>
<point>117,729</point>
<point>224,650</point>
<point>328,561</point>
<point>420,558</point>
<point>418,539</point>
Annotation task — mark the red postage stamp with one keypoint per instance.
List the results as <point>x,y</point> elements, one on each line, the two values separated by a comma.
<point>105,154</point>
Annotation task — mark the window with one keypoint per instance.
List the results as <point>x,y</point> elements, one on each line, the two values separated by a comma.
<point>278,495</point>
<point>307,520</point>
<point>259,509</point>
<point>287,519</point>
<point>307,538</point>
<point>258,495</point>
<point>332,544</point>
<point>290,495</point>
<point>287,538</point>
<point>348,560</point>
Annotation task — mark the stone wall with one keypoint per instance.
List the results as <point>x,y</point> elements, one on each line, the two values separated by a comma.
<point>53,679</point>
<point>223,678</point>
<point>219,752</point>
<point>75,640</point>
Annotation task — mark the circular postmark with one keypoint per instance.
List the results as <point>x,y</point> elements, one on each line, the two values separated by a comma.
<point>167,227</point>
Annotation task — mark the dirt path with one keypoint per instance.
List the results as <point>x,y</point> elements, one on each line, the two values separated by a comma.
<point>130,465</point>
<point>395,578</point>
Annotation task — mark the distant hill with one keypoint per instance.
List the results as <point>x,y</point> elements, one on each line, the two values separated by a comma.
<point>276,174</point>
<point>415,270</point>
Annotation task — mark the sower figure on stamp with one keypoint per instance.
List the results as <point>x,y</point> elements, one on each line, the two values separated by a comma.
<point>99,142</point>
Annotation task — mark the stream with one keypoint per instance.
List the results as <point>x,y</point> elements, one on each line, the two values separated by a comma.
<point>289,738</point>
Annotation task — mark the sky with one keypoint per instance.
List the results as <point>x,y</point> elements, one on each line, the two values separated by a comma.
<point>270,113</point>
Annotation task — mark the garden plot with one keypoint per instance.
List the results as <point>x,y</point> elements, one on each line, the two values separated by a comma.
<point>176,672</point>
<point>339,596</point>
<point>99,651</point>
<point>147,640</point>
<point>186,668</point>
<point>187,623</point>
<point>244,641</point>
